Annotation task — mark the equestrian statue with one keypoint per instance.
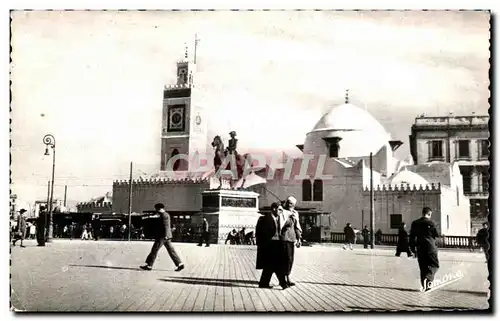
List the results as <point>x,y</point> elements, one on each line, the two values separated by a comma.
<point>222,153</point>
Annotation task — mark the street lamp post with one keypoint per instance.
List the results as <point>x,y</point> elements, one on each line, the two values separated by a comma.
<point>50,141</point>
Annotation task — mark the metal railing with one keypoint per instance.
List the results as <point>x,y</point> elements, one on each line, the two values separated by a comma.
<point>458,242</point>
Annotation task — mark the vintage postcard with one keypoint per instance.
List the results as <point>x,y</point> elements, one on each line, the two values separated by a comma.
<point>250,161</point>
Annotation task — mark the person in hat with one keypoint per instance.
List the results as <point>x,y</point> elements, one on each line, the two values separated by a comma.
<point>41,223</point>
<point>21,228</point>
<point>233,142</point>
<point>162,238</point>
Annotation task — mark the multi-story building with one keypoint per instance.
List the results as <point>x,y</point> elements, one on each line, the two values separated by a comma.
<point>457,139</point>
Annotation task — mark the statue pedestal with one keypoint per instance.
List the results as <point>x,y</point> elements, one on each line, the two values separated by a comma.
<point>226,210</point>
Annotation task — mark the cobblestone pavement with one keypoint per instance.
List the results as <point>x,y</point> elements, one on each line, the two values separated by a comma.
<point>104,276</point>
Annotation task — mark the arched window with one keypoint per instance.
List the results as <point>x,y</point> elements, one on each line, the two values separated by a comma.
<point>318,190</point>
<point>177,163</point>
<point>334,150</point>
<point>306,190</point>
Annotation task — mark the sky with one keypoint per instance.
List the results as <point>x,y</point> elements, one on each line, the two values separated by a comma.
<point>97,78</point>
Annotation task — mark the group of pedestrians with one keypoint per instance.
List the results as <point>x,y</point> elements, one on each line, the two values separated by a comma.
<point>277,234</point>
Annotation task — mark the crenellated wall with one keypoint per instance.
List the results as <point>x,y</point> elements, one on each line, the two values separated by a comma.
<point>176,86</point>
<point>95,207</point>
<point>407,200</point>
<point>403,187</point>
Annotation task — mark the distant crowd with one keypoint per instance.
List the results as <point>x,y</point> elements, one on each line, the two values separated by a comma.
<point>241,237</point>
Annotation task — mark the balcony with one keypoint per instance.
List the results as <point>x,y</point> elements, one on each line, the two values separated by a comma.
<point>452,121</point>
<point>477,192</point>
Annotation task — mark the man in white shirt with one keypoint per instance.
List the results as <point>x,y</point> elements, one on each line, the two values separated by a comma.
<point>291,234</point>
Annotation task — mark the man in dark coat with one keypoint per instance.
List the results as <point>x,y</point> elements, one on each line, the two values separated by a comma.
<point>365,232</point>
<point>423,236</point>
<point>21,228</point>
<point>482,240</point>
<point>205,234</point>
<point>291,234</point>
<point>96,227</point>
<point>163,236</point>
<point>378,236</point>
<point>403,242</point>
<point>270,253</point>
<point>41,223</point>
<point>350,236</point>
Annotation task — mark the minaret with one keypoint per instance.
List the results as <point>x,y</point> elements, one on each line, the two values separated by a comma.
<point>183,127</point>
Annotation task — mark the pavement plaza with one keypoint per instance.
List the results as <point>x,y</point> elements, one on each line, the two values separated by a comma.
<point>104,276</point>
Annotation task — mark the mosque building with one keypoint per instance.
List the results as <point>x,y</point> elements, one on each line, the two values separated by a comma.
<point>331,179</point>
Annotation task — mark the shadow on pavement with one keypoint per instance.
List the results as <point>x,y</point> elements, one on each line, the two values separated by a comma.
<point>363,286</point>
<point>478,293</point>
<point>365,309</point>
<point>215,282</point>
<point>437,308</point>
<point>114,267</point>
<point>403,256</point>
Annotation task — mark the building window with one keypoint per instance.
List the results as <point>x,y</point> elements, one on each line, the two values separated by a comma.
<point>479,208</point>
<point>334,150</point>
<point>306,190</point>
<point>436,149</point>
<point>485,152</point>
<point>447,222</point>
<point>396,220</point>
<point>467,181</point>
<point>318,190</point>
<point>484,181</point>
<point>463,149</point>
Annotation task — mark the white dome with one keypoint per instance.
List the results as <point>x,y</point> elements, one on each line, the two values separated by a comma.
<point>349,117</point>
<point>408,177</point>
<point>359,132</point>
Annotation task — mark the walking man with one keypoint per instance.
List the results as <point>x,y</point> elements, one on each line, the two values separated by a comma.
<point>350,236</point>
<point>41,222</point>
<point>423,236</point>
<point>403,243</point>
<point>291,234</point>
<point>21,228</point>
<point>366,236</point>
<point>270,254</point>
<point>163,236</point>
<point>205,234</point>
<point>482,240</point>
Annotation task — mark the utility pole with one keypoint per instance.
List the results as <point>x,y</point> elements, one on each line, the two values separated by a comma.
<point>196,40</point>
<point>448,143</point>
<point>372,205</point>
<point>65,193</point>
<point>48,195</point>
<point>130,202</point>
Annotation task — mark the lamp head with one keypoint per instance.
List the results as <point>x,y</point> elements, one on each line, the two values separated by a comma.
<point>47,151</point>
